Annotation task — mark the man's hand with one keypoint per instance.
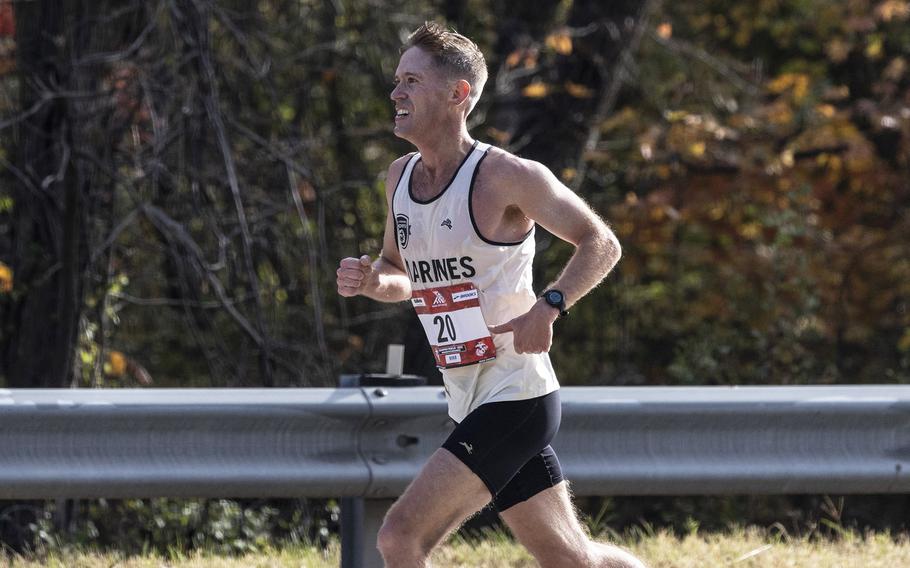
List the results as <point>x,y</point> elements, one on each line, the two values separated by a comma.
<point>355,275</point>
<point>533,331</point>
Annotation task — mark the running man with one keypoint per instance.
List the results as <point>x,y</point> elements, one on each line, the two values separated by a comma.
<point>459,243</point>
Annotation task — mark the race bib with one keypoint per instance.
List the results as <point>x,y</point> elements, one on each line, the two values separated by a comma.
<point>454,325</point>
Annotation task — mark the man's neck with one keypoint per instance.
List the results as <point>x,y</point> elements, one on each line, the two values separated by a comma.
<point>443,153</point>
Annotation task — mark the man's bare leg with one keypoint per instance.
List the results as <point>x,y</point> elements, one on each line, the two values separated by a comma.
<point>547,526</point>
<point>443,495</point>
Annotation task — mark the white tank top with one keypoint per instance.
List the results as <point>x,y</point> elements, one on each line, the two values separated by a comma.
<point>440,245</point>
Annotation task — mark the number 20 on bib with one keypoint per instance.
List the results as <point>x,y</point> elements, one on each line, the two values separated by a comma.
<point>454,325</point>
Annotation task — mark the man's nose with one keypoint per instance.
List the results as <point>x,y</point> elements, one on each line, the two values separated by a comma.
<point>396,93</point>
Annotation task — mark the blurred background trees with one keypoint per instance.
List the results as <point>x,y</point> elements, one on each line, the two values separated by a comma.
<point>179,178</point>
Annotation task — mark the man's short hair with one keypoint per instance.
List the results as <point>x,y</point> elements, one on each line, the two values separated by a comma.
<point>458,56</point>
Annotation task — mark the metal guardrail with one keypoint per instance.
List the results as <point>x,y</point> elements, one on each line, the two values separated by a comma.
<point>370,441</point>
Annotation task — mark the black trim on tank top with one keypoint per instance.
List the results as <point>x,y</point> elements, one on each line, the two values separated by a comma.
<point>392,202</point>
<point>448,185</point>
<point>471,211</point>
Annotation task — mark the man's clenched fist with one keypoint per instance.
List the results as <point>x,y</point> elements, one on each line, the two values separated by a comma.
<point>354,275</point>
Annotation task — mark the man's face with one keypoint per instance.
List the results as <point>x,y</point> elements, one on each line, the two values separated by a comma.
<point>420,94</point>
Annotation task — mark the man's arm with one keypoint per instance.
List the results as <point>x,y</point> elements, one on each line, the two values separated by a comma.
<point>385,278</point>
<point>534,189</point>
<point>562,212</point>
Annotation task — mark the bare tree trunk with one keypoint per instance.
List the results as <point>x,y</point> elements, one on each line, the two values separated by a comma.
<point>56,152</point>
<point>39,326</point>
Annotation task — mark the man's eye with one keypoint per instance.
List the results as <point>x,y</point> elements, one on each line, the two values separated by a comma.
<point>412,80</point>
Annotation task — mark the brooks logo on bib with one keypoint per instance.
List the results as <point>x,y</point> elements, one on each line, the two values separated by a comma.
<point>454,325</point>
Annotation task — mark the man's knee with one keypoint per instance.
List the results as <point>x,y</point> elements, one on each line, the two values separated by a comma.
<point>615,557</point>
<point>563,558</point>
<point>592,554</point>
<point>399,538</point>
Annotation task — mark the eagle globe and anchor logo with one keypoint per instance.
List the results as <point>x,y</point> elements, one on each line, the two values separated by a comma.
<point>403,229</point>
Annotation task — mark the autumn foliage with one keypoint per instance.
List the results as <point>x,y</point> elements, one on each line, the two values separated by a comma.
<point>763,210</point>
<point>751,156</point>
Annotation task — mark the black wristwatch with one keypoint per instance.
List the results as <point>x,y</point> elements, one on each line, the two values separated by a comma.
<point>556,299</point>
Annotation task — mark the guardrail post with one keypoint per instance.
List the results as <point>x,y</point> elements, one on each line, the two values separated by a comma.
<point>361,518</point>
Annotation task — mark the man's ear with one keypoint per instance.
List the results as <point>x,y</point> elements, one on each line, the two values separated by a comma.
<point>461,92</point>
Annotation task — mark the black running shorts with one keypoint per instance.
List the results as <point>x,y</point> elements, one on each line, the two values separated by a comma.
<point>507,444</point>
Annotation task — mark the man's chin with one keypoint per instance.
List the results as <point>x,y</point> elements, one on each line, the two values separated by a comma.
<point>402,133</point>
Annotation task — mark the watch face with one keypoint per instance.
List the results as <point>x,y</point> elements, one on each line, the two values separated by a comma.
<point>554,297</point>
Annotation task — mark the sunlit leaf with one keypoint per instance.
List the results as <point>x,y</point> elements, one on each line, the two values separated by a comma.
<point>579,91</point>
<point>893,10</point>
<point>6,278</point>
<point>825,110</point>
<point>904,343</point>
<point>560,42</point>
<point>514,58</point>
<point>874,47</point>
<point>536,90</point>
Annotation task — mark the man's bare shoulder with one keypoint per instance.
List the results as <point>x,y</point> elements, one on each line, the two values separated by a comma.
<point>506,171</point>
<point>394,172</point>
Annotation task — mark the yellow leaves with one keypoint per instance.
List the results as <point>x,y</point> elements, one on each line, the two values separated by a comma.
<point>796,83</point>
<point>578,91</point>
<point>780,114</point>
<point>742,121</point>
<point>539,90</point>
<point>625,228</point>
<point>750,231</point>
<point>825,110</point>
<point>536,90</point>
<point>837,50</point>
<point>895,69</point>
<point>697,149</point>
<point>119,366</point>
<point>500,136</point>
<point>904,343</point>
<point>837,93</point>
<point>560,42</point>
<point>832,164</point>
<point>892,10</point>
<point>115,366</point>
<point>568,174</point>
<point>625,118</point>
<point>286,112</point>
<point>525,57</point>
<point>786,158</point>
<point>665,30</point>
<point>717,211</point>
<point>6,279</point>
<point>595,156</point>
<point>874,47</point>
<point>514,58</point>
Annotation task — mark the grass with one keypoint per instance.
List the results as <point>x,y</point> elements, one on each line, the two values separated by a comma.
<point>738,549</point>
